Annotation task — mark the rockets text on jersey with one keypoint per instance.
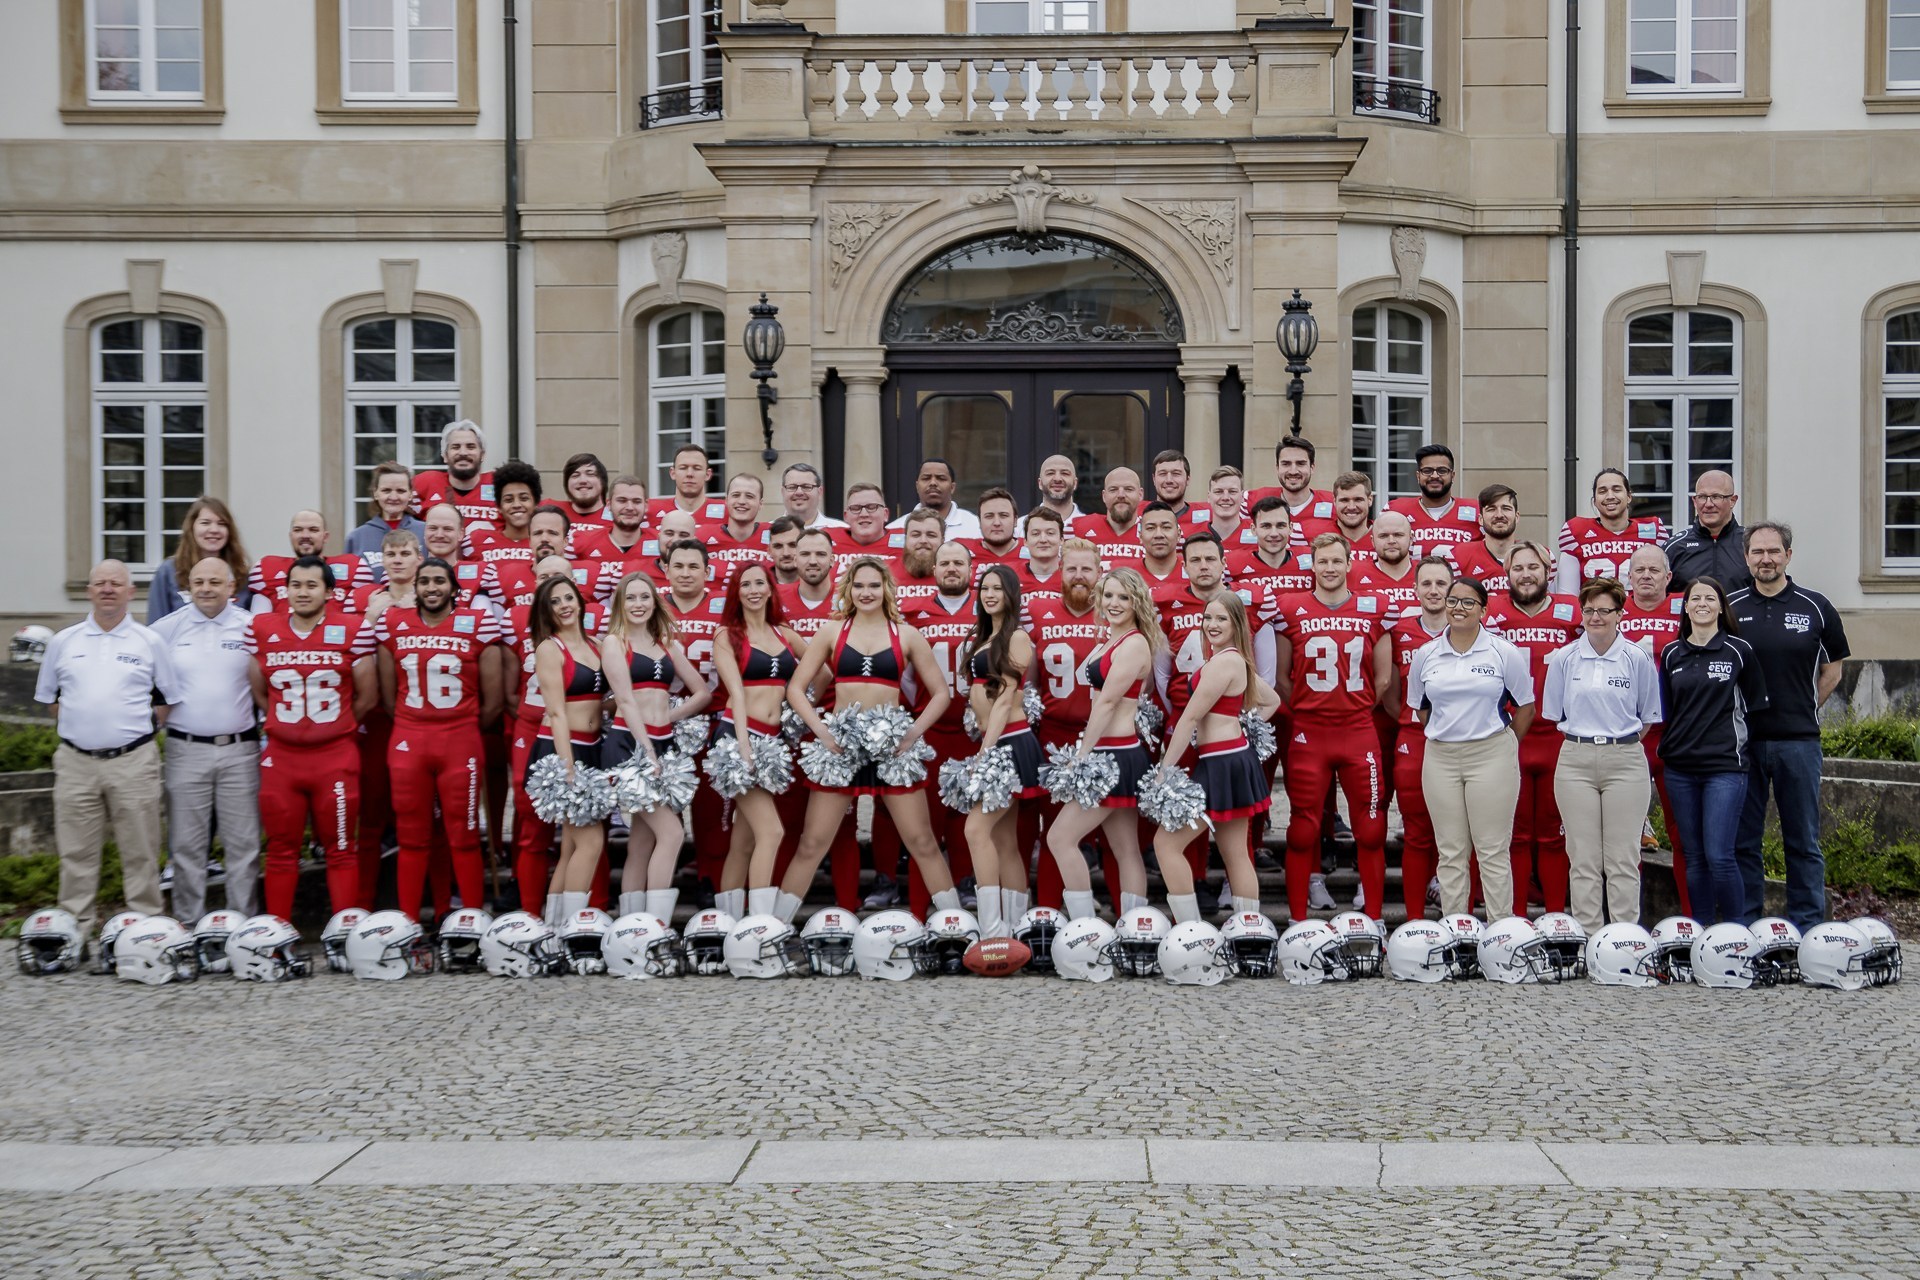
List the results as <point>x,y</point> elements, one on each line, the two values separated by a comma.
<point>1601,552</point>
<point>1553,627</point>
<point>1118,548</point>
<point>1656,628</point>
<point>1331,676</point>
<point>888,549</point>
<point>1369,578</point>
<point>1294,573</point>
<point>1033,587</point>
<point>1062,643</point>
<point>476,506</point>
<point>724,551</point>
<point>437,668</point>
<point>309,677</point>
<point>912,594</point>
<point>1458,521</point>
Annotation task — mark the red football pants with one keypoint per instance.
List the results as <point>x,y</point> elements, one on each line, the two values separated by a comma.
<point>322,783</point>
<point>1539,841</point>
<point>1324,753</point>
<point>376,803</point>
<point>1658,768</point>
<point>532,838</point>
<point>711,835</point>
<point>1419,856</point>
<point>445,763</point>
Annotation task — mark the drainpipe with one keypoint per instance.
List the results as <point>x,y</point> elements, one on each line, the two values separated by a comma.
<point>512,115</point>
<point>1570,219</point>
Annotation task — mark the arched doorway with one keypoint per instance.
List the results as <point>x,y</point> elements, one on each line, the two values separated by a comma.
<point>1005,350</point>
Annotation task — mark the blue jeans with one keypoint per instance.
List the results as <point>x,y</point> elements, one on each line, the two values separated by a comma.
<point>1791,768</point>
<point>1706,816</point>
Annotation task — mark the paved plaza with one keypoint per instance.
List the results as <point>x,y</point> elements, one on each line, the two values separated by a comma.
<point>443,1127</point>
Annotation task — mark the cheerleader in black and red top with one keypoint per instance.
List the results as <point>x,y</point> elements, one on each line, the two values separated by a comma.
<point>867,652</point>
<point>997,659</point>
<point>1117,673</point>
<point>1227,768</point>
<point>567,666</point>
<point>643,660</point>
<point>755,655</point>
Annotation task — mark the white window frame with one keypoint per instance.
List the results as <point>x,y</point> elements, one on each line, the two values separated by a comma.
<point>706,85</point>
<point>1382,11</point>
<point>405,395</point>
<point>1893,386</point>
<point>150,60</point>
<point>153,397</point>
<point>698,390</point>
<point>401,58</point>
<point>1894,15</point>
<point>1683,389</point>
<point>1382,387</point>
<point>1683,84</point>
<point>1043,17</point>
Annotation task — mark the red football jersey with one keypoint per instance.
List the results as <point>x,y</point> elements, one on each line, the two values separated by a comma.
<point>1410,635</point>
<point>1247,569</point>
<point>511,584</point>
<point>582,524</point>
<point>476,506</point>
<point>1554,627</point>
<point>1475,560</point>
<point>1310,519</point>
<point>1033,587</point>
<point>947,632</point>
<point>1656,628</point>
<point>805,619</point>
<point>1164,590</point>
<point>1368,578</point>
<point>697,628</point>
<point>888,549</point>
<point>1458,521</point>
<point>1062,643</point>
<point>1331,677</point>
<point>1240,538</point>
<point>268,580</point>
<point>490,547</point>
<point>724,551</point>
<point>1603,553</point>
<point>598,544</point>
<point>518,635</point>
<point>710,510</point>
<point>438,667</point>
<point>1118,549</point>
<point>1182,620</point>
<point>1014,557</point>
<point>310,677</point>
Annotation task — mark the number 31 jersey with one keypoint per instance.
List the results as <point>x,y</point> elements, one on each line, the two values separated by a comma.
<point>1062,643</point>
<point>1332,673</point>
<point>437,669</point>
<point>310,677</point>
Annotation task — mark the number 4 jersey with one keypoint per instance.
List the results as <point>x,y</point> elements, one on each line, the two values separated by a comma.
<point>309,676</point>
<point>437,668</point>
<point>1332,673</point>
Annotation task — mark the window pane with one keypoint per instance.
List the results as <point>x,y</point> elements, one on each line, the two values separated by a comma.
<point>1903,510</point>
<point>432,419</point>
<point>177,77</point>
<point>430,46</point>
<point>176,13</point>
<point>370,46</point>
<point>1652,68</point>
<point>123,515</point>
<point>367,13</point>
<point>1903,544</point>
<point>121,547</point>
<point>183,484</point>
<point>998,17</point>
<point>375,335</point>
<point>1903,343</point>
<point>433,366</point>
<point>371,366</point>
<point>117,13</point>
<point>124,483</point>
<point>173,514</point>
<point>430,13</point>
<point>1651,9</point>
<point>1903,477</point>
<point>433,335</point>
<point>120,367</point>
<point>123,451</point>
<point>374,419</point>
<point>183,419</point>
<point>1406,411</point>
<point>109,43</point>
<point>1903,65</point>
<point>370,451</point>
<point>185,366</point>
<point>676,416</point>
<point>123,419</point>
<point>1364,326</point>
<point>124,335</point>
<point>179,43</point>
<point>179,335</point>
<point>1650,346</point>
<point>117,77</point>
<point>370,77</point>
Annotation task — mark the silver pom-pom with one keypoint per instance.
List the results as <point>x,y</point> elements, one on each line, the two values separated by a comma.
<point>772,764</point>
<point>677,781</point>
<point>689,735</point>
<point>906,768</point>
<point>1260,735</point>
<point>1148,719</point>
<point>827,767</point>
<point>1031,704</point>
<point>579,803</point>
<point>953,786</point>
<point>876,732</point>
<point>640,787</point>
<point>1082,780</point>
<point>993,779</point>
<point>727,769</point>
<point>970,722</point>
<point>792,727</point>
<point>1172,800</point>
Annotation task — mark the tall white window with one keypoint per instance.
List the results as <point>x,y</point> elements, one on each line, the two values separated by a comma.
<point>1021,17</point>
<point>1393,58</point>
<point>403,386</point>
<point>1392,395</point>
<point>149,435</point>
<point>399,50</point>
<point>1683,407</point>
<point>684,40</point>
<point>141,50</point>
<point>687,392</point>
<point>1692,46</point>
<point>1903,44</point>
<point>1900,400</point>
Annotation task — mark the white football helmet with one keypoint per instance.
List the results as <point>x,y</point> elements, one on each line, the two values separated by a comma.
<point>457,948</point>
<point>1835,955</point>
<point>1512,950</point>
<point>1723,956</point>
<point>51,942</point>
<point>765,946</point>
<point>1037,929</point>
<point>1776,952</point>
<point>1463,945</point>
<point>30,643</point>
<point>333,938</point>
<point>584,935</point>
<point>828,938</point>
<point>643,946</point>
<point>1365,941</point>
<point>949,934</point>
<point>1883,955</point>
<point>888,946</point>
<point>1136,945</point>
<point>521,945</point>
<point>705,942</point>
<point>387,946</point>
<point>110,931</point>
<point>1251,944</point>
<point>1622,955</point>
<point>1312,953</point>
<point>210,939</point>
<point>157,949</point>
<point>1418,952</point>
<point>1193,955</point>
<point>1673,948</point>
<point>265,949</point>
<point>1083,950</point>
<point>1566,940</point>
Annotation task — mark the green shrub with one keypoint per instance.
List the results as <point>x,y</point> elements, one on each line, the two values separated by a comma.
<point>1883,737</point>
<point>1856,858</point>
<point>32,881</point>
<point>26,746</point>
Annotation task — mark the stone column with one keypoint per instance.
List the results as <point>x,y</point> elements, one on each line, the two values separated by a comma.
<point>1201,389</point>
<point>862,456</point>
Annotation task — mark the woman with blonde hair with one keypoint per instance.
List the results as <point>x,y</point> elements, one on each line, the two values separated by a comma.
<point>207,532</point>
<point>643,660</point>
<point>1117,672</point>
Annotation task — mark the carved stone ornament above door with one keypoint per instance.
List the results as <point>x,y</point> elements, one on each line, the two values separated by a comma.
<point>1030,189</point>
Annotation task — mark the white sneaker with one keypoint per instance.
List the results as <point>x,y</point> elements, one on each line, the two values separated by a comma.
<point>1317,896</point>
<point>1433,892</point>
<point>1360,898</point>
<point>1226,897</point>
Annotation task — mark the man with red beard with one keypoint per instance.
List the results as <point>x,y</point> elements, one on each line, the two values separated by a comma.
<point>696,612</point>
<point>692,471</point>
<point>1485,558</point>
<point>1309,509</point>
<point>1040,571</point>
<point>1115,534</point>
<point>463,485</point>
<point>1653,619</point>
<point>585,478</point>
<point>999,541</point>
<point>808,603</point>
<point>914,580</point>
<point>307,534</point>
<point>620,541</point>
<point>1161,565</point>
<point>866,533</point>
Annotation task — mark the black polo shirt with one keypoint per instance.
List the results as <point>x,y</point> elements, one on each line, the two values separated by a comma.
<point>1695,553</point>
<point>1706,693</point>
<point>1793,635</point>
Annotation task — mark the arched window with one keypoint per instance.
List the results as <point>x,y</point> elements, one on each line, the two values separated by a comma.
<point>1392,395</point>
<point>403,386</point>
<point>149,409</point>
<point>1683,406</point>
<point>687,391</point>
<point>1900,428</point>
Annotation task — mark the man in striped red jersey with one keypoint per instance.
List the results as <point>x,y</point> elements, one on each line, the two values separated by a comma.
<point>1115,533</point>
<point>1601,545</point>
<point>307,535</point>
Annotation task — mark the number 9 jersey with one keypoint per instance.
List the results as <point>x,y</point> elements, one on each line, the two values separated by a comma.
<point>1332,672</point>
<point>310,677</point>
<point>436,669</point>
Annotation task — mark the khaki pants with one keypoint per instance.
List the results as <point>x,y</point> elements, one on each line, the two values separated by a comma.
<point>1472,789</point>
<point>87,794</point>
<point>207,783</point>
<point>1603,792</point>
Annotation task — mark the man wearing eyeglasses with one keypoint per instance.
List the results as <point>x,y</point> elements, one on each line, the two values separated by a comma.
<point>1439,519</point>
<point>1714,545</point>
<point>801,490</point>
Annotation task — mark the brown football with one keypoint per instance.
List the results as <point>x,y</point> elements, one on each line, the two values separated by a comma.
<point>997,957</point>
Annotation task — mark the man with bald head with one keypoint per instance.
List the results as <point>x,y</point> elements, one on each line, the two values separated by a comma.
<point>1059,480</point>
<point>110,683</point>
<point>213,742</point>
<point>307,535</point>
<point>1714,545</point>
<point>1116,535</point>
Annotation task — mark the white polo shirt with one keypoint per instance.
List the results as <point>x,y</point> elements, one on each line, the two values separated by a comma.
<point>824,521</point>
<point>104,681</point>
<point>1464,693</point>
<point>961,523</point>
<point>210,659</point>
<point>1614,694</point>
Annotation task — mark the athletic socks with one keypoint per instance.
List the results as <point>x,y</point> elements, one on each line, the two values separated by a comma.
<point>760,901</point>
<point>1243,906</point>
<point>660,904</point>
<point>1185,906</point>
<point>551,914</point>
<point>947,900</point>
<point>571,904</point>
<point>1131,902</point>
<point>1015,901</point>
<point>784,905</point>
<point>991,925</point>
<point>1079,903</point>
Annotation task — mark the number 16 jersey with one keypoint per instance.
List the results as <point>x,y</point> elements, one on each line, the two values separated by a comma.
<point>437,668</point>
<point>1332,674</point>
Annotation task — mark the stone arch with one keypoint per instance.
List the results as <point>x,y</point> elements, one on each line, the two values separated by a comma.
<point>1442,311</point>
<point>639,310</point>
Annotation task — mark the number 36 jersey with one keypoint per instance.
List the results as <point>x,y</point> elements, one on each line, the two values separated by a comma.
<point>1332,673</point>
<point>436,669</point>
<point>310,677</point>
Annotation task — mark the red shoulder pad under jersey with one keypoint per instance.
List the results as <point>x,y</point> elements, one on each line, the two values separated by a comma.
<point>1656,628</point>
<point>1062,643</point>
<point>598,544</point>
<point>310,677</point>
<point>1118,548</point>
<point>1368,578</point>
<point>1458,521</point>
<point>698,627</point>
<point>1475,560</point>
<point>1331,677</point>
<point>889,548</point>
<point>466,582</point>
<point>476,506</point>
<point>1294,573</point>
<point>1602,553</point>
<point>1409,635</point>
<point>437,667</point>
<point>805,619</point>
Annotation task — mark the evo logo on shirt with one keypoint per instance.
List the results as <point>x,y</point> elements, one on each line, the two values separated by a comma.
<point>1720,670</point>
<point>1797,622</point>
